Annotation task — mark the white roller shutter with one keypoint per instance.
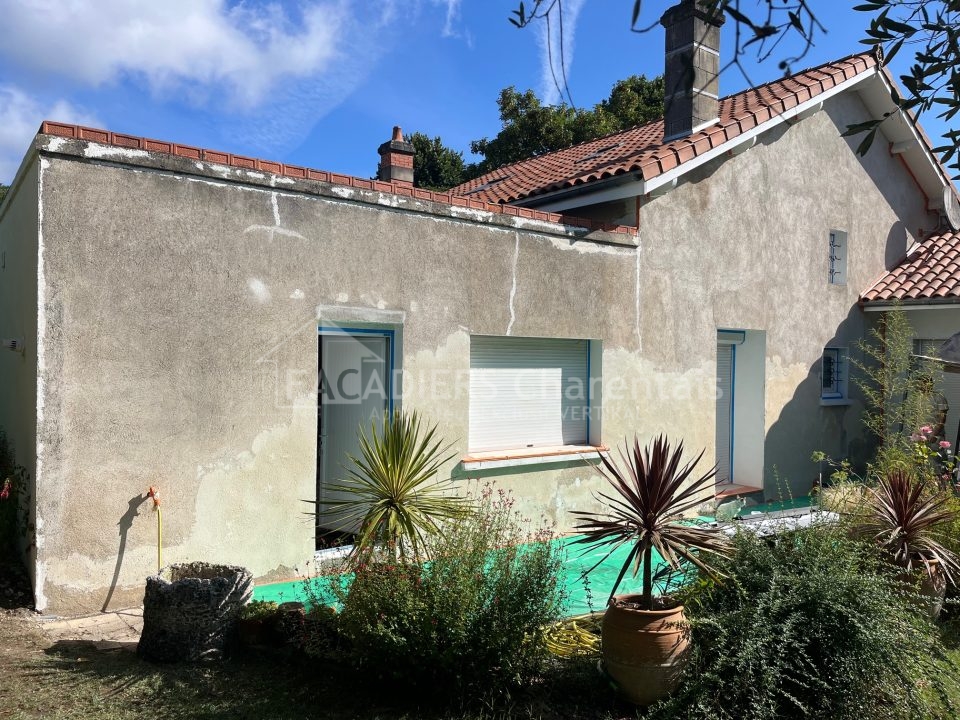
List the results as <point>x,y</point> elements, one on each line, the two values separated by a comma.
<point>724,411</point>
<point>527,392</point>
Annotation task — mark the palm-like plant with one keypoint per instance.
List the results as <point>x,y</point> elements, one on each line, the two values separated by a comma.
<point>393,490</point>
<point>902,518</point>
<point>653,491</point>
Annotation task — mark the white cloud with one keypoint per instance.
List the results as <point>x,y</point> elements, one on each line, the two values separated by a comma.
<point>201,48</point>
<point>453,14</point>
<point>257,73</point>
<point>20,118</point>
<point>552,72</point>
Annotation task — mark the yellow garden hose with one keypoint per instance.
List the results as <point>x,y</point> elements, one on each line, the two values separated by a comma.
<point>575,637</point>
<point>155,494</point>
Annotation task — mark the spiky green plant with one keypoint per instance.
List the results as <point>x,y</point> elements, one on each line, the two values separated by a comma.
<point>653,491</point>
<point>903,517</point>
<point>394,493</point>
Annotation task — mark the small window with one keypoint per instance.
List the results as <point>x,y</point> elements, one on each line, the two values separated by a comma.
<point>833,374</point>
<point>838,257</point>
<point>927,348</point>
<point>528,393</point>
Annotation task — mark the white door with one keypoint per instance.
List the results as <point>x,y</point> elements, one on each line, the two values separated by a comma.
<point>354,393</point>
<point>724,457</point>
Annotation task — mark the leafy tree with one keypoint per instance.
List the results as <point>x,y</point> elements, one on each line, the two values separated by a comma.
<point>531,128</point>
<point>435,166</point>
<point>930,27</point>
<point>633,102</point>
<point>3,192</point>
<point>933,28</point>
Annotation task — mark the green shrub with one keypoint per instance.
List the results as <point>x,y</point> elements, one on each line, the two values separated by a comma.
<point>469,622</point>
<point>806,626</point>
<point>259,610</point>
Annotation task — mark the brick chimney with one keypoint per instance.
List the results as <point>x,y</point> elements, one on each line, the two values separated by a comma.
<point>691,67</point>
<point>396,160</point>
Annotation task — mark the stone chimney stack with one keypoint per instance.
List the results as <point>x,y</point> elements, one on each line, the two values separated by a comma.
<point>396,160</point>
<point>691,67</point>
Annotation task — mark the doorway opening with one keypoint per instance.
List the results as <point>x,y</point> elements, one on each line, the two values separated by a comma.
<point>740,430</point>
<point>355,390</point>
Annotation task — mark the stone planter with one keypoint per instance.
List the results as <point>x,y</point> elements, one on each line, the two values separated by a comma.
<point>190,611</point>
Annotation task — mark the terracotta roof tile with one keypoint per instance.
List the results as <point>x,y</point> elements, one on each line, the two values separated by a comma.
<point>106,137</point>
<point>641,149</point>
<point>931,271</point>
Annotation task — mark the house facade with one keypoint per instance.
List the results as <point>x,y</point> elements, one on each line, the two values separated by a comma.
<point>219,326</point>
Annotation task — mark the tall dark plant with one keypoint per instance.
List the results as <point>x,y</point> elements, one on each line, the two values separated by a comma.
<point>903,518</point>
<point>652,492</point>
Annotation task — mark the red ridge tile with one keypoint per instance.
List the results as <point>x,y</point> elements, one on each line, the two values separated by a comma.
<point>216,157</point>
<point>127,141</point>
<point>106,137</point>
<point>188,152</point>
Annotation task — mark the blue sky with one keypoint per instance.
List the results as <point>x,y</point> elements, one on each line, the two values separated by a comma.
<point>322,82</point>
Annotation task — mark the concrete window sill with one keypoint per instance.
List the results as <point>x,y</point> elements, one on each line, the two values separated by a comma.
<point>835,402</point>
<point>494,459</point>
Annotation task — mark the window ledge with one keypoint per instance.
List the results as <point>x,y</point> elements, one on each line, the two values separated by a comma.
<point>833,402</point>
<point>493,459</point>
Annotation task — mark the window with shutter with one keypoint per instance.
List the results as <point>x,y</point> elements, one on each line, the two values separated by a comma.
<point>528,392</point>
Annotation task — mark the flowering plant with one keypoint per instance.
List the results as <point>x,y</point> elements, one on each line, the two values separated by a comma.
<point>933,457</point>
<point>15,527</point>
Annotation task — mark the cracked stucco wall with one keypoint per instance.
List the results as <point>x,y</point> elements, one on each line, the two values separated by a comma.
<point>743,244</point>
<point>181,328</point>
<point>181,302</point>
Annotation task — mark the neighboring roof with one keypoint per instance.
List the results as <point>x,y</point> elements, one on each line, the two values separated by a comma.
<point>142,146</point>
<point>929,274</point>
<point>642,150</point>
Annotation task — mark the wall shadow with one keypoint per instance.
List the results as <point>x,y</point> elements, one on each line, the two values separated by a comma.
<point>124,525</point>
<point>895,250</point>
<point>804,425</point>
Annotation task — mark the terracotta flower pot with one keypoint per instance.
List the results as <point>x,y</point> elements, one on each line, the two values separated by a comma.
<point>644,651</point>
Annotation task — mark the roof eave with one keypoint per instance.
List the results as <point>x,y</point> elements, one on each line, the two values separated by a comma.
<point>941,303</point>
<point>902,129</point>
<point>561,199</point>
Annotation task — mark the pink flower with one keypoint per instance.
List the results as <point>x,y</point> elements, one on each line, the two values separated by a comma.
<point>917,437</point>
<point>944,444</point>
<point>5,493</point>
<point>926,430</point>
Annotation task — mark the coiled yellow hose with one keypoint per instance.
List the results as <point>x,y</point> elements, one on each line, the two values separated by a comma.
<point>575,636</point>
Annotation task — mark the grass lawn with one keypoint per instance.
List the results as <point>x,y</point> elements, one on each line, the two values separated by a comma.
<point>75,680</point>
<point>64,680</point>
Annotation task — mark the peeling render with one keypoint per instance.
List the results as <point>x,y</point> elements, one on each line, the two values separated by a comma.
<point>109,152</point>
<point>174,309</point>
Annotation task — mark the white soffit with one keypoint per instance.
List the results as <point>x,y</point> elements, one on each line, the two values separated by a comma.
<point>905,138</point>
